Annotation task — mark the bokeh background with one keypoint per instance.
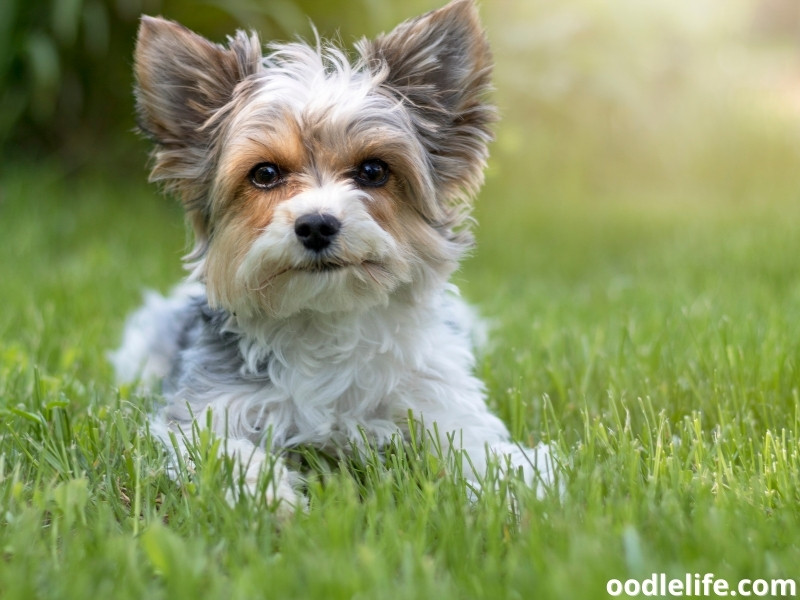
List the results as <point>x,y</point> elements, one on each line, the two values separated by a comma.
<point>611,92</point>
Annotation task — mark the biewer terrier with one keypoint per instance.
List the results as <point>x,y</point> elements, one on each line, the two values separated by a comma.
<point>329,201</point>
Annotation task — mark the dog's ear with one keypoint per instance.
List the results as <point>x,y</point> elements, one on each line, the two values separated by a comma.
<point>182,81</point>
<point>439,65</point>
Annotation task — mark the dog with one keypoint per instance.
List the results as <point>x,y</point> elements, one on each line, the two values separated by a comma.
<point>329,201</point>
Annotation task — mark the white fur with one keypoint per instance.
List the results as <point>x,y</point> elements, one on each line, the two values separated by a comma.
<point>334,376</point>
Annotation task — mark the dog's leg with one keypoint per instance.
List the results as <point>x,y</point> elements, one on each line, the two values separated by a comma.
<point>251,463</point>
<point>181,343</point>
<point>483,438</point>
<point>535,464</point>
<point>255,470</point>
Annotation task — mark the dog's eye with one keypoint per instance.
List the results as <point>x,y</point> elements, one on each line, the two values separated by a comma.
<point>266,176</point>
<point>372,173</point>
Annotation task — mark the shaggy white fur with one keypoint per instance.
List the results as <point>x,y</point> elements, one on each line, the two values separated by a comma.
<point>322,379</point>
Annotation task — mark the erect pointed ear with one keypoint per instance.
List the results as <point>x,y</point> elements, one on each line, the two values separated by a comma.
<point>439,65</point>
<point>182,79</point>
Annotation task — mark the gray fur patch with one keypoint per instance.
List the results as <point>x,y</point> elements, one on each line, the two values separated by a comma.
<point>208,354</point>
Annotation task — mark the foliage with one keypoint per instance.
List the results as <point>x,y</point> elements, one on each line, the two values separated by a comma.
<point>55,72</point>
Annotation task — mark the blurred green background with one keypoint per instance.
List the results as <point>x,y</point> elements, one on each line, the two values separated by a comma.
<point>612,92</point>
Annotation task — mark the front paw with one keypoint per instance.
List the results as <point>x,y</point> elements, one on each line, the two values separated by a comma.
<point>262,476</point>
<point>279,493</point>
<point>282,493</point>
<point>536,464</point>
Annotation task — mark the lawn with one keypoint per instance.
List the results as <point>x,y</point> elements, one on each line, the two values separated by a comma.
<point>643,291</point>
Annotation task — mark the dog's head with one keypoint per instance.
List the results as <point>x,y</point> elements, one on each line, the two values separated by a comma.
<point>313,183</point>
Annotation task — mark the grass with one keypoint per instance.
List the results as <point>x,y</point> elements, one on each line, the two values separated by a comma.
<point>645,302</point>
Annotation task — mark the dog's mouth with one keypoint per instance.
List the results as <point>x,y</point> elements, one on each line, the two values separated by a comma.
<point>372,268</point>
<point>324,266</point>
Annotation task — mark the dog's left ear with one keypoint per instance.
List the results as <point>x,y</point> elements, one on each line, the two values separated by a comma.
<point>440,66</point>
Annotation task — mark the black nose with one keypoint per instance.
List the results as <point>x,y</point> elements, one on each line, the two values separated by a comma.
<point>317,230</point>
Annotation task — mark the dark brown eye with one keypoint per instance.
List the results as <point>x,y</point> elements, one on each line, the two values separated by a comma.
<point>372,173</point>
<point>266,175</point>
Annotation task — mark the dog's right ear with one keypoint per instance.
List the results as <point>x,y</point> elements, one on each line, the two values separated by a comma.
<point>182,79</point>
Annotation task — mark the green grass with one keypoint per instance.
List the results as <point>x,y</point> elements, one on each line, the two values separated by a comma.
<point>645,302</point>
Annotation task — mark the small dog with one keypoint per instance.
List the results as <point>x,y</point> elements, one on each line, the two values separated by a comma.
<point>329,202</point>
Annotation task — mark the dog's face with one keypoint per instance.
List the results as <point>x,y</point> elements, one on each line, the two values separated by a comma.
<point>311,183</point>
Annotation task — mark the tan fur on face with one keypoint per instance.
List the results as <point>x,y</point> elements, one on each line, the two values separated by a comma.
<point>313,152</point>
<point>274,137</point>
<point>226,251</point>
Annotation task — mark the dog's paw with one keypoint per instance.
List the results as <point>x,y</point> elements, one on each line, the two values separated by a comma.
<point>272,481</point>
<point>283,495</point>
<point>537,464</point>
